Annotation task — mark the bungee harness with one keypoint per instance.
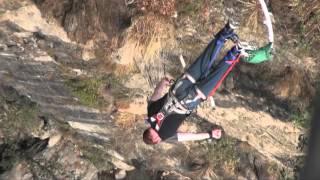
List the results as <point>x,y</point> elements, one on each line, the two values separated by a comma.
<point>171,105</point>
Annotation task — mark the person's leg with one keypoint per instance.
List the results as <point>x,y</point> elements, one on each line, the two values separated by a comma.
<point>217,76</point>
<point>208,84</point>
<point>201,67</point>
<point>198,70</point>
<point>201,90</point>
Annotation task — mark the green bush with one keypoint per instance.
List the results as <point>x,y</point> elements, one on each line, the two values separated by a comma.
<point>18,116</point>
<point>302,119</point>
<point>86,90</point>
<point>223,152</point>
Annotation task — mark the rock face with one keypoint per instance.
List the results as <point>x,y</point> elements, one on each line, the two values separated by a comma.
<point>26,65</point>
<point>31,73</point>
<point>37,103</point>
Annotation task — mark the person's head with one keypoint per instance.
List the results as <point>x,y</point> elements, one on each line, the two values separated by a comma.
<point>150,136</point>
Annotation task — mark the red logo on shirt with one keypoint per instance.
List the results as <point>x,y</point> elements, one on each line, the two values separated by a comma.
<point>160,116</point>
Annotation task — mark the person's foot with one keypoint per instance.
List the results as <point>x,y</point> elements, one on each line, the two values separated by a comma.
<point>227,32</point>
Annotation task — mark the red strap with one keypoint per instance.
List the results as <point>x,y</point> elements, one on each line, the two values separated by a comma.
<point>225,75</point>
<point>159,118</point>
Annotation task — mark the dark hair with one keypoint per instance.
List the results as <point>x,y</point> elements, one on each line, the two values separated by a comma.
<point>149,136</point>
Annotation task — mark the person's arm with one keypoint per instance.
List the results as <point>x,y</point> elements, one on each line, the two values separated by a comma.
<point>158,91</point>
<point>192,136</point>
<point>215,134</point>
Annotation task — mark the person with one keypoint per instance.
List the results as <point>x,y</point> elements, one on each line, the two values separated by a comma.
<point>166,113</point>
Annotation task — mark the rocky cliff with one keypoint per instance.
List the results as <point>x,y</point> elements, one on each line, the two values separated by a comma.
<point>75,76</point>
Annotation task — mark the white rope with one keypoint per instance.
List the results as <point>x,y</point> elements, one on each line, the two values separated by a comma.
<point>182,61</point>
<point>129,2</point>
<point>268,21</point>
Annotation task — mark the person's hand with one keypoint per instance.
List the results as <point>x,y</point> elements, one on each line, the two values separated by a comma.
<point>167,80</point>
<point>216,133</point>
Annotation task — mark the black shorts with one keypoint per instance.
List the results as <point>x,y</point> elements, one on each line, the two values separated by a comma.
<point>171,123</point>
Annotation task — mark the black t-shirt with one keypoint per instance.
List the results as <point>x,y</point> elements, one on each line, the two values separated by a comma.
<point>171,123</point>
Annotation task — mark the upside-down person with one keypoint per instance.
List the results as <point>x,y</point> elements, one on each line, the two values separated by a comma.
<point>199,82</point>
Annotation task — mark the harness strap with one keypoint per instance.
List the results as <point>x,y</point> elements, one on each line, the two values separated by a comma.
<point>156,120</point>
<point>171,105</point>
<point>233,63</point>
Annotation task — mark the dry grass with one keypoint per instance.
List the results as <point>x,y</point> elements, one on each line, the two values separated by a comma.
<point>148,36</point>
<point>253,29</point>
<point>122,103</point>
<point>13,4</point>
<point>162,7</point>
<point>151,32</point>
<point>300,24</point>
<point>145,38</point>
<point>253,9</point>
<point>126,120</point>
<point>310,17</point>
<point>211,160</point>
<point>123,70</point>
